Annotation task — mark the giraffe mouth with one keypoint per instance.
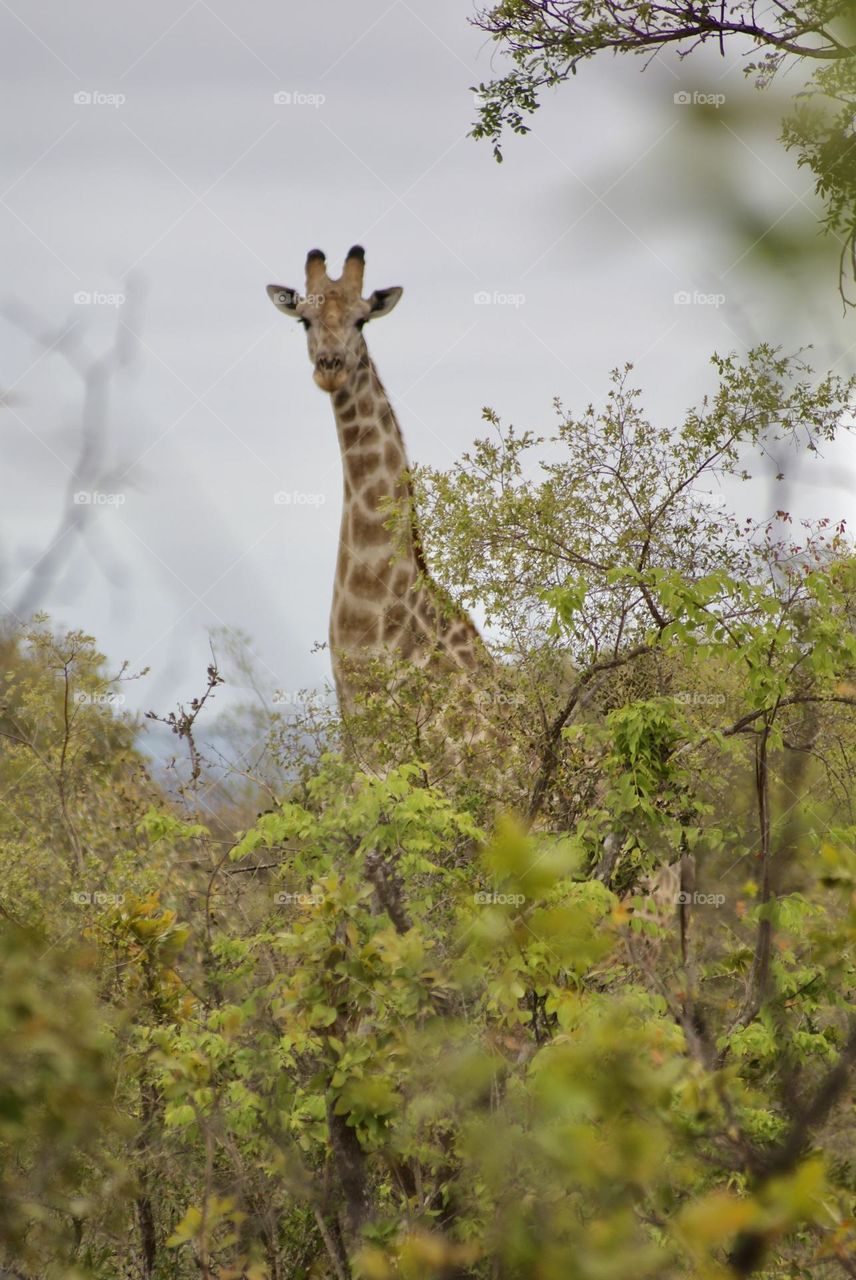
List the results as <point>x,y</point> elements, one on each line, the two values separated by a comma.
<point>330,378</point>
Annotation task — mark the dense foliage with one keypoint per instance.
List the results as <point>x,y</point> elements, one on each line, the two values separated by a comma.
<point>549,975</point>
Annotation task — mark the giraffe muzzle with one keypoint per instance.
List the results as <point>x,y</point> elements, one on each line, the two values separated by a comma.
<point>330,373</point>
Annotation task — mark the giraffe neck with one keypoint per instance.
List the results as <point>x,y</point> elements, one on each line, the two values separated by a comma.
<point>374,568</point>
<point>383,598</point>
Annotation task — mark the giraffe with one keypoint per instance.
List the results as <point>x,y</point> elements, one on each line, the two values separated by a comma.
<point>383,597</point>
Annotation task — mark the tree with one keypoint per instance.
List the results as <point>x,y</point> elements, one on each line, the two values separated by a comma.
<point>548,40</point>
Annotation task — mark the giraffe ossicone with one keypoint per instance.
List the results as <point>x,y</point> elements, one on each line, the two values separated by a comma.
<point>383,597</point>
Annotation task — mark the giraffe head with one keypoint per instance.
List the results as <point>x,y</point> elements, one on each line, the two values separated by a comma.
<point>333,313</point>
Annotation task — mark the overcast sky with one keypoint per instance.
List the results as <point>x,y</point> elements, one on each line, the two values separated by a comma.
<point>146,142</point>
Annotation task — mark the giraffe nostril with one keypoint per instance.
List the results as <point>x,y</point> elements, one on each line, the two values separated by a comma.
<point>331,363</point>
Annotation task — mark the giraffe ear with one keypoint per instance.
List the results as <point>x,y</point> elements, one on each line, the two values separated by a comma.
<point>382,301</point>
<point>283,298</point>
